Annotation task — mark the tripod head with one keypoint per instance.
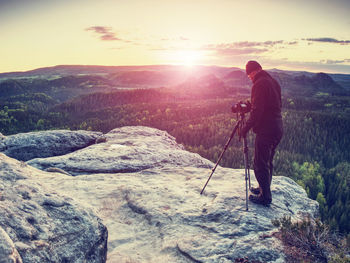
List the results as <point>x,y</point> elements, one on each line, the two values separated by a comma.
<point>241,107</point>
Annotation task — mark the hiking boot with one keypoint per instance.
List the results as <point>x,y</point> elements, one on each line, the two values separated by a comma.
<point>258,199</point>
<point>255,190</point>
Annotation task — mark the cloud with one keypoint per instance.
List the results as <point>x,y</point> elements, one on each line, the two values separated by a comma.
<point>238,51</point>
<point>242,48</point>
<point>328,40</point>
<point>104,33</point>
<point>245,44</point>
<point>333,62</point>
<point>230,50</point>
<point>330,68</point>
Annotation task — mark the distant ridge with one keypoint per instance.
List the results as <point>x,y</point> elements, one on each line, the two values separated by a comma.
<point>170,74</point>
<point>62,70</point>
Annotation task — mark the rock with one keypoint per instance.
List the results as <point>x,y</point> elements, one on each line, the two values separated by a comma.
<point>46,226</point>
<point>155,213</point>
<point>146,189</point>
<point>56,170</point>
<point>26,146</point>
<point>8,251</point>
<point>127,149</point>
<point>101,139</point>
<point>2,137</point>
<point>158,215</point>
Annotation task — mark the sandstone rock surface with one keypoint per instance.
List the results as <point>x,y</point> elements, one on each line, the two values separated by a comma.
<point>158,215</point>
<point>8,251</point>
<point>45,226</point>
<point>26,146</point>
<point>153,210</point>
<point>127,149</point>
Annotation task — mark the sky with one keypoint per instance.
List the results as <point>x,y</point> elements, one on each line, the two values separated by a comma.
<point>311,35</point>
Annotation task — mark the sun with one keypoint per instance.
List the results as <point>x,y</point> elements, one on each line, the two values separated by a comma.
<point>188,58</point>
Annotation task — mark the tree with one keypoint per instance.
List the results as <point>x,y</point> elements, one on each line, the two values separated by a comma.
<point>308,175</point>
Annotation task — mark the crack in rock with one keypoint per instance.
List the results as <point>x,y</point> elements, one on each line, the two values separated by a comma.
<point>187,255</point>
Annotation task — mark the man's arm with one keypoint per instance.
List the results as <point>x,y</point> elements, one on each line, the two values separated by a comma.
<point>258,98</point>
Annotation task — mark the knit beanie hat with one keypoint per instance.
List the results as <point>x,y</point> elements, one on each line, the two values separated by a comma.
<point>251,66</point>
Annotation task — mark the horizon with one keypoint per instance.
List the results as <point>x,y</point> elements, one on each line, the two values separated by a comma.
<point>310,36</point>
<point>185,67</point>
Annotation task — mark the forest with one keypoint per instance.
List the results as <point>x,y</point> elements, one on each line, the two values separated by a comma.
<point>315,149</point>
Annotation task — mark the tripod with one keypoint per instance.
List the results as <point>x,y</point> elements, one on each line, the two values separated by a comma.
<point>238,126</point>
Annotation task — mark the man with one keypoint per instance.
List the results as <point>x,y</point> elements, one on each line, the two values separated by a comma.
<point>266,121</point>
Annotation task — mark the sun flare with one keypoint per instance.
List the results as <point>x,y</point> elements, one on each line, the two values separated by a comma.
<point>188,58</point>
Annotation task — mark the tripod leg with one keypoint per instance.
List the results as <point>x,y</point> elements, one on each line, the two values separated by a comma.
<point>225,148</point>
<point>249,179</point>
<point>246,153</point>
<point>246,170</point>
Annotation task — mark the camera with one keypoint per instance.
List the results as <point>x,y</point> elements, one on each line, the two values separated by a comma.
<point>241,107</point>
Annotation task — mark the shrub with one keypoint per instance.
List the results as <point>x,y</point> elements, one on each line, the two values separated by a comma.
<point>310,240</point>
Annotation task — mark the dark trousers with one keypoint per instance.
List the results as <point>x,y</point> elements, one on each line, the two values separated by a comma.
<point>265,147</point>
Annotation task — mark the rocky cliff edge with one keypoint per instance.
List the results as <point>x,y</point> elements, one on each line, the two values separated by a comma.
<point>145,188</point>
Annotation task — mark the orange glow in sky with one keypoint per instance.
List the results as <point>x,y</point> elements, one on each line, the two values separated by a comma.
<point>309,35</point>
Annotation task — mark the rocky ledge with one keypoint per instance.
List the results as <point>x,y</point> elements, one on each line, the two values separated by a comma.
<point>128,149</point>
<point>43,225</point>
<point>146,189</point>
<point>27,146</point>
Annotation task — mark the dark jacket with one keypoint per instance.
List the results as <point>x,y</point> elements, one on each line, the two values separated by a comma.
<point>265,116</point>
